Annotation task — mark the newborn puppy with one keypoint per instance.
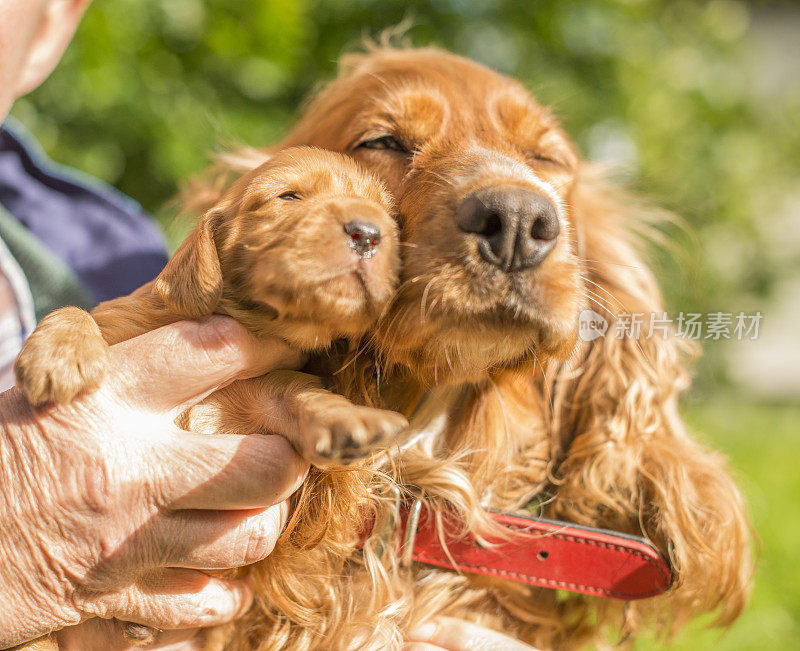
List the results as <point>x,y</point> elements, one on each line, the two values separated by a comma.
<point>302,248</point>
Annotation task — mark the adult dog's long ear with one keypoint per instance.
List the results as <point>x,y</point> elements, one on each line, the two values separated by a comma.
<point>191,283</point>
<point>629,463</point>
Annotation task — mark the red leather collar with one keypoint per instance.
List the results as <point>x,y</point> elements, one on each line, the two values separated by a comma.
<point>539,552</point>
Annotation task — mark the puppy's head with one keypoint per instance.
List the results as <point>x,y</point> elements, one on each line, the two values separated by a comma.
<point>481,174</point>
<point>302,246</point>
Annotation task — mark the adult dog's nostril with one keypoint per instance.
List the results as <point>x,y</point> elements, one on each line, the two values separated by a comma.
<point>545,224</point>
<point>515,227</point>
<point>494,225</point>
<point>472,216</point>
<point>363,237</point>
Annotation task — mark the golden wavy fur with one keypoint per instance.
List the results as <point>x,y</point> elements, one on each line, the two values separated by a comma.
<point>507,406</point>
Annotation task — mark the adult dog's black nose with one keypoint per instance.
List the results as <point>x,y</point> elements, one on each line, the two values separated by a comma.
<point>516,227</point>
<point>364,237</point>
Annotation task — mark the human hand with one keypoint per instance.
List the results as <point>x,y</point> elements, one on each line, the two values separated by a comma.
<point>458,635</point>
<point>110,510</point>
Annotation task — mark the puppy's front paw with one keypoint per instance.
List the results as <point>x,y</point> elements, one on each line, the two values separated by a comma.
<point>139,635</point>
<point>65,355</point>
<point>346,432</point>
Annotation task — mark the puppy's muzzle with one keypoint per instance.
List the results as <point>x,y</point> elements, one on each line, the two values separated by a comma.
<point>516,228</point>
<point>364,237</point>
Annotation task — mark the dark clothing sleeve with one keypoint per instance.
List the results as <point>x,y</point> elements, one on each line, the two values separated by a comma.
<point>96,238</point>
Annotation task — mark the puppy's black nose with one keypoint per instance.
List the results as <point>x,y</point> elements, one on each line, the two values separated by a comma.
<point>364,237</point>
<point>516,227</point>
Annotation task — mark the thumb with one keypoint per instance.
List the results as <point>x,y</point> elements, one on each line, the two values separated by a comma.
<point>181,363</point>
<point>459,635</point>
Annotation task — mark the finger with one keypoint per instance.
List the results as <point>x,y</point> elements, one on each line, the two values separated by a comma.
<point>216,540</point>
<point>458,635</point>
<point>225,471</point>
<point>175,599</point>
<point>181,363</point>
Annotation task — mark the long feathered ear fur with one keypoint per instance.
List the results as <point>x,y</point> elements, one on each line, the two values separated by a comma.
<point>628,462</point>
<point>191,282</point>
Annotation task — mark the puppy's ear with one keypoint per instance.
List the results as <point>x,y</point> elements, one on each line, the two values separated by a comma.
<point>191,283</point>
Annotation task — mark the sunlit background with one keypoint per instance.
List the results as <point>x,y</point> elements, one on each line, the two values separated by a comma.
<point>694,104</point>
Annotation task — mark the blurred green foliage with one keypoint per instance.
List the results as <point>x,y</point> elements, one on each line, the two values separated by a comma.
<point>677,93</point>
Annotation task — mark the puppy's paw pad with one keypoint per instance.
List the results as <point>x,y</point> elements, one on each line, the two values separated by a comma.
<point>58,362</point>
<point>48,377</point>
<point>139,635</point>
<point>349,433</point>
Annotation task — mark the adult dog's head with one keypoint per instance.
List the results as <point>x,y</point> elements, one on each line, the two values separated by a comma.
<point>482,176</point>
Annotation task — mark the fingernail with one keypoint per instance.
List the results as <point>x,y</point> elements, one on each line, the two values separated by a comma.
<point>246,595</point>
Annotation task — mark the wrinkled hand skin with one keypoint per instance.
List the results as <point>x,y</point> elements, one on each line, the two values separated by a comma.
<point>36,581</point>
<point>110,510</point>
